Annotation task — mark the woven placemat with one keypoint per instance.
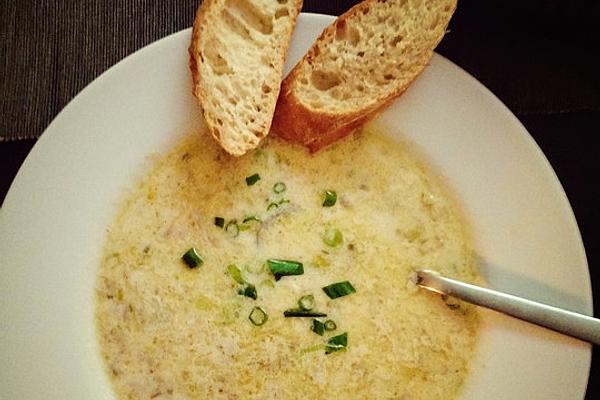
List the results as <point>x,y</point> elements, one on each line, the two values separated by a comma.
<point>51,49</point>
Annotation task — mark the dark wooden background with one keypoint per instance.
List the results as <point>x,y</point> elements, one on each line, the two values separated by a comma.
<point>541,58</point>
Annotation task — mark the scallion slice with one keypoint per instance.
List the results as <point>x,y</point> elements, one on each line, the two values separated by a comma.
<point>279,187</point>
<point>192,258</point>
<point>276,204</point>
<point>307,302</point>
<point>258,316</point>
<point>318,327</point>
<point>330,198</point>
<point>337,343</point>
<point>281,268</point>
<point>249,290</point>
<point>295,312</point>
<point>332,237</point>
<point>252,179</point>
<point>330,325</point>
<point>339,289</point>
<point>251,218</point>
<point>232,228</point>
<point>235,274</point>
<point>248,221</point>
<point>220,222</point>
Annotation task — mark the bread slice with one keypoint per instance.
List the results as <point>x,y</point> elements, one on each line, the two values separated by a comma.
<point>237,54</point>
<point>359,64</point>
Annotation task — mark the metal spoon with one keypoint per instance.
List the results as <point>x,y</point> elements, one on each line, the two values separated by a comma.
<point>567,322</point>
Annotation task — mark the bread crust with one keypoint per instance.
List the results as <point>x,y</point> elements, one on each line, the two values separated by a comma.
<point>193,64</point>
<point>315,129</point>
<point>201,23</point>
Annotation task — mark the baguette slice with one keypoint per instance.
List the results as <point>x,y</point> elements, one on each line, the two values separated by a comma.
<point>237,54</point>
<point>359,64</point>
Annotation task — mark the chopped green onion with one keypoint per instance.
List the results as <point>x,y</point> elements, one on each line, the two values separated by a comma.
<point>330,198</point>
<point>249,290</point>
<point>279,187</point>
<point>246,223</point>
<point>232,228</point>
<point>332,237</point>
<point>320,262</point>
<point>318,327</point>
<point>329,325</point>
<point>258,316</point>
<point>339,289</point>
<point>252,179</point>
<point>251,218</point>
<point>281,268</point>
<point>192,258</point>
<point>307,302</point>
<point>236,274</point>
<point>276,204</point>
<point>220,221</point>
<point>295,312</point>
<point>337,343</point>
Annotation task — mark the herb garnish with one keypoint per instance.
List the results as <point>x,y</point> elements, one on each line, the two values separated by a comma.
<point>192,258</point>
<point>258,316</point>
<point>330,198</point>
<point>279,187</point>
<point>252,179</point>
<point>220,221</point>
<point>296,312</point>
<point>281,268</point>
<point>332,237</point>
<point>339,289</point>
<point>337,343</point>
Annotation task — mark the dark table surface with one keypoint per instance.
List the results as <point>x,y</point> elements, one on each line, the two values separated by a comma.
<point>540,58</point>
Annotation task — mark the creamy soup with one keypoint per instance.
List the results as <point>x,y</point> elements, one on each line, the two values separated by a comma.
<point>211,325</point>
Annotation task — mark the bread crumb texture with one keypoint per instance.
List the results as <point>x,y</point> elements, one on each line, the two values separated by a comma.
<point>237,54</point>
<point>372,54</point>
<point>170,332</point>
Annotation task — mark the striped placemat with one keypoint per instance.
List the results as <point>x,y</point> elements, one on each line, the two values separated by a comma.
<point>51,49</point>
<point>527,53</point>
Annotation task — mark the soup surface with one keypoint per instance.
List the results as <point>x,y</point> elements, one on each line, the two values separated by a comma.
<point>170,331</point>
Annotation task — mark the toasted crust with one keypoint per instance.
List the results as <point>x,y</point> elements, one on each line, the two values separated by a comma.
<point>193,65</point>
<point>192,49</point>
<point>316,127</point>
<point>241,135</point>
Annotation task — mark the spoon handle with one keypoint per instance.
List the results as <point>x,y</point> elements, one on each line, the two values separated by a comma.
<point>567,322</point>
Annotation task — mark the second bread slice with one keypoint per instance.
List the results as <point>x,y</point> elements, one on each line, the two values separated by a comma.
<point>237,55</point>
<point>359,64</point>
